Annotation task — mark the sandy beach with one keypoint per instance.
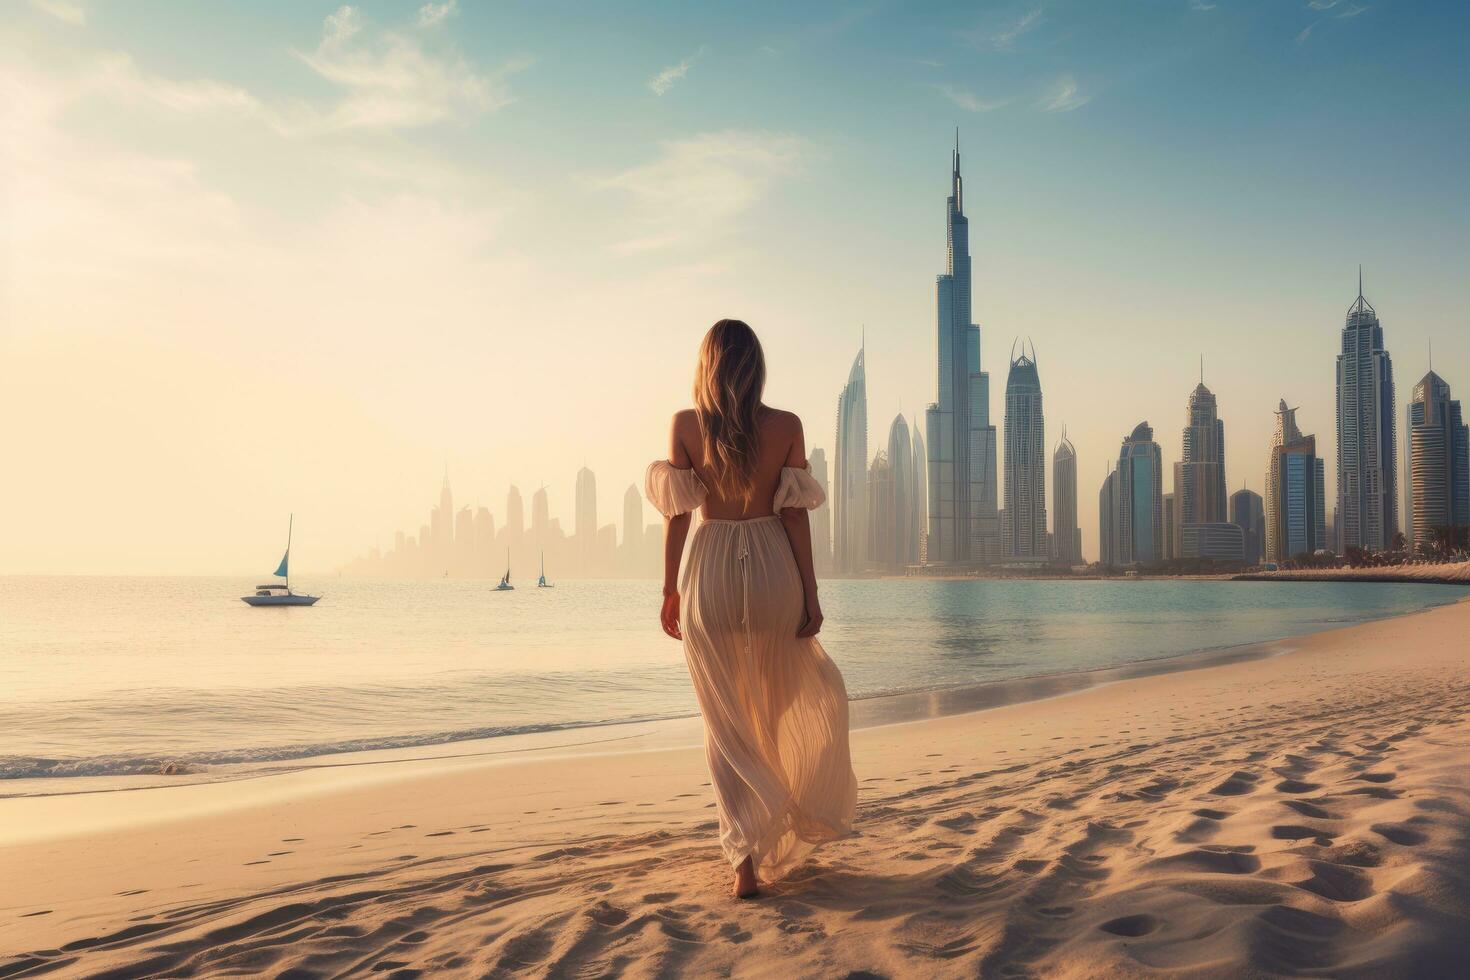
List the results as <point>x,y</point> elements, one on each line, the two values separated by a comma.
<point>1304,813</point>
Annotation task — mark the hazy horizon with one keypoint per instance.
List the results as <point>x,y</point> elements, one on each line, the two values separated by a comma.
<point>263,259</point>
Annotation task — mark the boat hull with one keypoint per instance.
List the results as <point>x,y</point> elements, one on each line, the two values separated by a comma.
<point>279,600</point>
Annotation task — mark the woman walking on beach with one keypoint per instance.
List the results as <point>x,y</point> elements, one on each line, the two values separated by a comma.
<point>774,705</point>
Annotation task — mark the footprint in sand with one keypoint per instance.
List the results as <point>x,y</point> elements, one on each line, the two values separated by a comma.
<point>1131,926</point>
<point>30,915</point>
<point>1308,809</point>
<point>1295,787</point>
<point>1236,784</point>
<point>1399,834</point>
<point>1377,777</point>
<point>441,833</point>
<point>1298,832</point>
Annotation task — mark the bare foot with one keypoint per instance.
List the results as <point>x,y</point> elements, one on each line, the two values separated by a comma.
<point>745,883</point>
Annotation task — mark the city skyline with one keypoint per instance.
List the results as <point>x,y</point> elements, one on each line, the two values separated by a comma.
<point>245,270</point>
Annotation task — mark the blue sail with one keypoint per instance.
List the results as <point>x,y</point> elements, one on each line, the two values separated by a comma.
<point>285,559</point>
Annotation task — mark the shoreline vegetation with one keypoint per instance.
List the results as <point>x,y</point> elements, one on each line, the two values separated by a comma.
<point>1307,810</point>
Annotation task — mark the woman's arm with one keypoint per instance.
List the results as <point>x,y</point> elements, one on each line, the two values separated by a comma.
<point>676,530</point>
<point>798,527</point>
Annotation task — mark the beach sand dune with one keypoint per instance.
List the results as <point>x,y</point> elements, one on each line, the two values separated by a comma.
<point>1303,815</point>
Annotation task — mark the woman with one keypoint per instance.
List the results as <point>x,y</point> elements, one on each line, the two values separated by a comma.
<point>774,706</point>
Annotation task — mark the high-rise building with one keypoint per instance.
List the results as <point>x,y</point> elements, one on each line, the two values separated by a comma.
<point>540,515</point>
<point>921,494</point>
<point>1025,462</point>
<point>515,518</point>
<point>441,526</point>
<point>1173,546</point>
<point>964,526</point>
<point>1439,462</point>
<point>586,517</point>
<point>1107,519</point>
<point>1066,533</point>
<point>882,519</point>
<point>1295,501</point>
<point>1139,523</point>
<point>1199,489</point>
<point>905,550</point>
<point>850,481</point>
<point>1248,513</point>
<point>821,517</point>
<point>1367,466</point>
<point>632,525</point>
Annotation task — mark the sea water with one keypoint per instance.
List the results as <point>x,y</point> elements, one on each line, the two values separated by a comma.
<point>108,676</point>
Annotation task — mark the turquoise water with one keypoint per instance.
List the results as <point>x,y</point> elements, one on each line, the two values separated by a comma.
<point>120,675</point>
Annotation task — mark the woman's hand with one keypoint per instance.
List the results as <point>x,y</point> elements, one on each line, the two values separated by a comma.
<point>668,616</point>
<point>813,624</point>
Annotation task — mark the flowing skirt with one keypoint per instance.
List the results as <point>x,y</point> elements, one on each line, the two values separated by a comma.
<point>774,705</point>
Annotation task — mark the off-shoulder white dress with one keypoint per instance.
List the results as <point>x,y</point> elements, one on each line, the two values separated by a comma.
<point>774,705</point>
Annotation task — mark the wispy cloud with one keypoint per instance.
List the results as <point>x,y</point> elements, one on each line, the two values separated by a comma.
<point>1352,11</point>
<point>391,79</point>
<point>118,77</point>
<point>1323,4</point>
<point>702,181</point>
<point>1004,38</point>
<point>62,10</point>
<point>968,100</point>
<point>1200,5</point>
<point>1064,96</point>
<point>1346,13</point>
<point>432,13</point>
<point>664,80</point>
<point>930,62</point>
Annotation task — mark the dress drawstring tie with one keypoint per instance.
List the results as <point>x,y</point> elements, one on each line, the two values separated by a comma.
<point>743,556</point>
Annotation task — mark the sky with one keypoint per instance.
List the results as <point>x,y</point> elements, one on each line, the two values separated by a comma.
<point>271,258</point>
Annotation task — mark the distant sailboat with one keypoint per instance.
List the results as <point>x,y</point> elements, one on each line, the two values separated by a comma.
<point>280,595</point>
<point>541,582</point>
<point>505,585</point>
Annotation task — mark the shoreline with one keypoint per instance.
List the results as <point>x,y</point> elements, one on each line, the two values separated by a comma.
<point>683,730</point>
<point>1261,816</point>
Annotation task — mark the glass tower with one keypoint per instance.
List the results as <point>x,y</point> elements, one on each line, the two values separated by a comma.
<point>1367,468</point>
<point>964,525</point>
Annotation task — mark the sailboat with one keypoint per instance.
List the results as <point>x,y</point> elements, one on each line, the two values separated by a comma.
<point>541,582</point>
<point>505,585</point>
<point>280,595</point>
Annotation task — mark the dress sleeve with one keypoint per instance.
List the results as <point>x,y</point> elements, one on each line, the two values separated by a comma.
<point>671,490</point>
<point>797,489</point>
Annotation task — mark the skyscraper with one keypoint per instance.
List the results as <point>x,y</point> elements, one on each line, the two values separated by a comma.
<point>821,517</point>
<point>905,549</point>
<point>1200,490</point>
<point>1066,533</point>
<point>1107,519</point>
<point>632,526</point>
<point>1367,467</point>
<point>921,494</point>
<point>585,528</point>
<point>1138,525</point>
<point>1173,543</point>
<point>882,520</point>
<point>1025,462</point>
<point>1439,462</point>
<point>515,518</point>
<point>1247,512</point>
<point>1295,500</point>
<point>964,527</point>
<point>850,481</point>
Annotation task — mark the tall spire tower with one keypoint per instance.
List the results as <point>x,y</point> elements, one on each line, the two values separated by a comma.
<point>964,525</point>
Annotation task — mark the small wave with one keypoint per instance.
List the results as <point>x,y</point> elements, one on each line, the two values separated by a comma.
<point>196,763</point>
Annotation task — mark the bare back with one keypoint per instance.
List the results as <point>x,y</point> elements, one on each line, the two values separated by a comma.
<point>782,443</point>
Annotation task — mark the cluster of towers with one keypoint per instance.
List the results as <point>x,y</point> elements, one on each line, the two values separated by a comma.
<point>930,499</point>
<point>467,543</point>
<point>949,491</point>
<point>1140,524</point>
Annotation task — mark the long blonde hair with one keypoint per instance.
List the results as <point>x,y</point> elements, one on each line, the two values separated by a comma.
<point>727,398</point>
